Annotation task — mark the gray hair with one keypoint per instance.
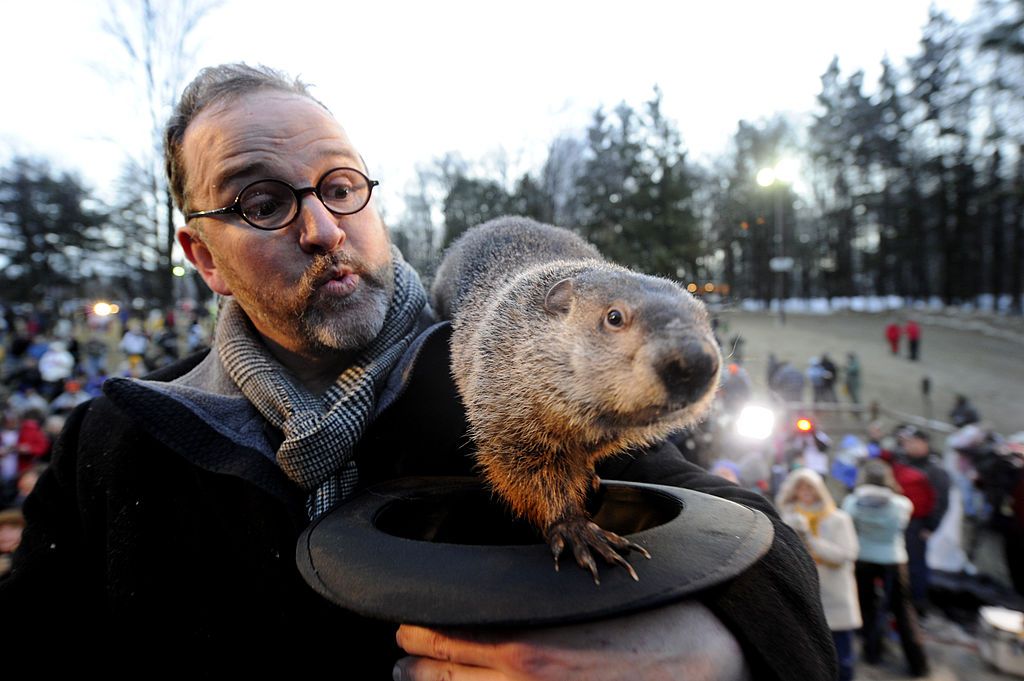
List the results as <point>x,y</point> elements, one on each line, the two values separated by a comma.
<point>216,84</point>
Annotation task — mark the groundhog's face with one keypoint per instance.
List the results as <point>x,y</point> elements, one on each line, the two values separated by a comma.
<point>641,350</point>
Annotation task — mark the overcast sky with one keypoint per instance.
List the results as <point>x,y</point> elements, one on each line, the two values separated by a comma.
<point>412,80</point>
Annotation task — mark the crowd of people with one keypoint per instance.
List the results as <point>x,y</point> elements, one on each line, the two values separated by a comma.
<point>823,376</point>
<point>884,509</point>
<point>51,362</point>
<point>870,547</point>
<point>877,539</point>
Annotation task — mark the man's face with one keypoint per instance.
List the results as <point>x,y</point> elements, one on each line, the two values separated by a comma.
<point>916,446</point>
<point>322,283</point>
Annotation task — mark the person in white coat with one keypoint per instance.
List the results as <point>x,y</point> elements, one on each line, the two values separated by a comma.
<point>55,366</point>
<point>808,507</point>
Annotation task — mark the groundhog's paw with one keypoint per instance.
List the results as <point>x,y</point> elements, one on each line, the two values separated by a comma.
<point>583,535</point>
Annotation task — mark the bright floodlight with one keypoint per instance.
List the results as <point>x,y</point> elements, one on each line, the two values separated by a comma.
<point>102,309</point>
<point>755,422</point>
<point>178,271</point>
<point>787,170</point>
<point>766,177</point>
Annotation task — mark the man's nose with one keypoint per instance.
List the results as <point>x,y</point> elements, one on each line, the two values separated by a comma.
<point>320,229</point>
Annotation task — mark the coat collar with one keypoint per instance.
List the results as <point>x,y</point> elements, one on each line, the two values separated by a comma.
<point>196,410</point>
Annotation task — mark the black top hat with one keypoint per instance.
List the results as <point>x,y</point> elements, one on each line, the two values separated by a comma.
<point>442,552</point>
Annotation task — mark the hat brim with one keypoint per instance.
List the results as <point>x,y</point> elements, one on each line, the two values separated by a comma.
<point>441,552</point>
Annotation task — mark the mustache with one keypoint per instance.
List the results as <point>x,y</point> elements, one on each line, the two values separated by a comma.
<point>324,264</point>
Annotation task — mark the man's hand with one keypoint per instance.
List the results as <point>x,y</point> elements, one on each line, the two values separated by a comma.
<point>679,641</point>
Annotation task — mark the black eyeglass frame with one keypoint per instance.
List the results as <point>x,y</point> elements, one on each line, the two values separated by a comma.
<point>236,207</point>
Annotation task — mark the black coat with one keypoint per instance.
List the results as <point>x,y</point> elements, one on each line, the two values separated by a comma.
<point>153,532</point>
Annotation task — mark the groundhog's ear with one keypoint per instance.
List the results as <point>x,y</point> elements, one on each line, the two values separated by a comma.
<point>559,297</point>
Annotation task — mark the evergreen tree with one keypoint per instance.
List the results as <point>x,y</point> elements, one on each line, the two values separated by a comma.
<point>50,231</point>
<point>636,192</point>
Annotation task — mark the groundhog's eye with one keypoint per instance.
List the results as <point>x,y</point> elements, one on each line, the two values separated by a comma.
<point>615,318</point>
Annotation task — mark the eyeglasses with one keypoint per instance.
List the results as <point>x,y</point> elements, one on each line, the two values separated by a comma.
<point>274,204</point>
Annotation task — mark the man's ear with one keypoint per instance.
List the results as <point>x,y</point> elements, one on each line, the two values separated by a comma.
<point>199,255</point>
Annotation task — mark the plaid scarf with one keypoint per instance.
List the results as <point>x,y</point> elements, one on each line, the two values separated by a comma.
<point>320,432</point>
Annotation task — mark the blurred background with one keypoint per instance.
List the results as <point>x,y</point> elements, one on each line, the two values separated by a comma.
<point>842,183</point>
<point>798,150</point>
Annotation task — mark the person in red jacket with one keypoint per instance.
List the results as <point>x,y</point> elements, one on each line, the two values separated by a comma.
<point>914,485</point>
<point>913,338</point>
<point>33,443</point>
<point>892,334</point>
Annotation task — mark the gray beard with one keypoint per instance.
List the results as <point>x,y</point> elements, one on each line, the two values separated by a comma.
<point>351,323</point>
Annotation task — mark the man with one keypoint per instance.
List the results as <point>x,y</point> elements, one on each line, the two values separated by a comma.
<point>919,456</point>
<point>788,382</point>
<point>963,413</point>
<point>852,374</point>
<point>913,339</point>
<point>831,376</point>
<point>892,335</point>
<point>169,519</point>
<point>817,376</point>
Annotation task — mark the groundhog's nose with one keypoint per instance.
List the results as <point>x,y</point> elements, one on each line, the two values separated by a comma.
<point>689,371</point>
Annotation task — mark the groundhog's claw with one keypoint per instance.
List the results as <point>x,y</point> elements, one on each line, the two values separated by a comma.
<point>583,536</point>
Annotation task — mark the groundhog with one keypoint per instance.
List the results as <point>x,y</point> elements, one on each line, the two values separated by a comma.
<point>562,359</point>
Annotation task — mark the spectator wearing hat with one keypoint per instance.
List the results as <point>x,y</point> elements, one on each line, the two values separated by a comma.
<point>963,413</point>
<point>724,468</point>
<point>72,396</point>
<point>918,454</point>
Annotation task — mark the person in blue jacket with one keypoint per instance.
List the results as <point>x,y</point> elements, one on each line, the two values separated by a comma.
<point>880,516</point>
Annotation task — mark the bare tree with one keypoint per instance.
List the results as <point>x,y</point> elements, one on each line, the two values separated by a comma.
<point>155,38</point>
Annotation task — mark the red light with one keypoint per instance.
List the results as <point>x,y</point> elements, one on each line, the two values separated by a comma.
<point>804,425</point>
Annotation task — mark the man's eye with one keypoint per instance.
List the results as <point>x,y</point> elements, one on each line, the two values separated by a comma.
<point>337,192</point>
<point>266,208</point>
<point>261,206</point>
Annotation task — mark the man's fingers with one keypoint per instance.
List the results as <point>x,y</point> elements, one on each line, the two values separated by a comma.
<point>426,669</point>
<point>476,652</point>
<point>440,646</point>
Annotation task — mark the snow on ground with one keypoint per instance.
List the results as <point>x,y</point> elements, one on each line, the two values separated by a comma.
<point>979,355</point>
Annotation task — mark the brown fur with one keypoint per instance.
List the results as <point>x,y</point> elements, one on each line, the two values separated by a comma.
<point>550,385</point>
